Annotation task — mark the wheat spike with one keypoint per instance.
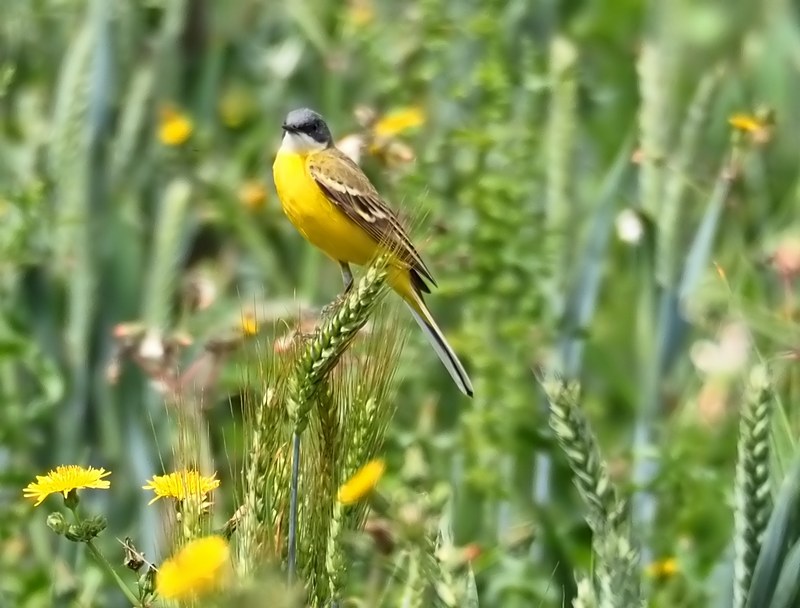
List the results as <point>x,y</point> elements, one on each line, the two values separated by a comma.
<point>331,340</point>
<point>752,490</point>
<point>606,509</point>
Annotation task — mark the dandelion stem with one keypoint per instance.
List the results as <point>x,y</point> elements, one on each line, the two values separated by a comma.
<point>104,563</point>
<point>292,559</point>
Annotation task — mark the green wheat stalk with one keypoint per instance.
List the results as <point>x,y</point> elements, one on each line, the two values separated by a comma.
<point>69,156</point>
<point>561,128</point>
<point>68,151</point>
<point>617,581</point>
<point>334,556</point>
<point>576,439</point>
<point>617,578</point>
<point>323,449</point>
<point>752,490</point>
<point>265,473</point>
<point>346,430</point>
<point>170,227</point>
<point>319,356</point>
<point>585,596</point>
<point>452,590</point>
<point>414,589</point>
<point>254,501</point>
<point>654,125</point>
<point>132,121</point>
<point>330,341</point>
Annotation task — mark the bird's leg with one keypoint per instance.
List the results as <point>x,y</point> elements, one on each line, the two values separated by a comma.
<point>347,277</point>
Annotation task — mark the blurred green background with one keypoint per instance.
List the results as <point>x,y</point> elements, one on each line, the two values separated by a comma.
<point>581,197</point>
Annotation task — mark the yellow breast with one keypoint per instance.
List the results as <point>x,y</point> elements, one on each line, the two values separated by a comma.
<point>314,216</point>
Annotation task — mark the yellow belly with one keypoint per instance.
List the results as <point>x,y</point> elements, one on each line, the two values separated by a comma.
<point>315,217</point>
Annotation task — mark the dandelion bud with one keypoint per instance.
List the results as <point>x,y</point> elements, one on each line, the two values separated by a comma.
<point>73,533</point>
<point>87,530</point>
<point>57,523</point>
<point>95,525</point>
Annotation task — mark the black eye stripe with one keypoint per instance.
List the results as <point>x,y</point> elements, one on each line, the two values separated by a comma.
<point>310,128</point>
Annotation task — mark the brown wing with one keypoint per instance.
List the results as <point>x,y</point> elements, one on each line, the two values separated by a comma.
<point>345,185</point>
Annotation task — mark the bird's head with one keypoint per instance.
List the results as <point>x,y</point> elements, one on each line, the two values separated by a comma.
<point>305,131</point>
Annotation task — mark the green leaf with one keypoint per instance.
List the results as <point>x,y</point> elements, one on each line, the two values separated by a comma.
<point>787,591</point>
<point>782,532</point>
<point>471,593</point>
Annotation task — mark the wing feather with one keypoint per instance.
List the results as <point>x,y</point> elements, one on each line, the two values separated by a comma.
<point>346,186</point>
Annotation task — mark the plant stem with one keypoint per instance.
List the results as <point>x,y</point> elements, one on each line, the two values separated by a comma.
<point>292,558</point>
<point>110,570</point>
<point>104,563</point>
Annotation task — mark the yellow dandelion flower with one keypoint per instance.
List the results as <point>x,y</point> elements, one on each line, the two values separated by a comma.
<point>181,485</point>
<point>398,121</point>
<point>249,325</point>
<point>746,123</point>
<point>199,568</point>
<point>174,128</point>
<point>662,569</point>
<point>362,483</point>
<point>65,478</point>
<point>758,126</point>
<point>253,194</point>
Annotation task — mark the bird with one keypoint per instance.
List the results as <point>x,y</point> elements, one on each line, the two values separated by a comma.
<point>334,206</point>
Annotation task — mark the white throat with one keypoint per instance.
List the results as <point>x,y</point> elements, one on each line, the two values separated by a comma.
<point>300,143</point>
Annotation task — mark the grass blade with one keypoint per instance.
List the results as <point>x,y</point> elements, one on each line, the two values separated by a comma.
<point>787,590</point>
<point>783,530</point>
<point>292,556</point>
<point>581,302</point>
<point>669,218</point>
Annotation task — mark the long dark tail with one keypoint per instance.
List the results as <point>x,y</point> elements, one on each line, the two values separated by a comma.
<point>446,355</point>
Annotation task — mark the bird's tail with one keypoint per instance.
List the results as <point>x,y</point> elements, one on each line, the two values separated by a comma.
<point>446,355</point>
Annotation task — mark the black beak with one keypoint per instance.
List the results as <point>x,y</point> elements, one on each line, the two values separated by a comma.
<point>287,128</point>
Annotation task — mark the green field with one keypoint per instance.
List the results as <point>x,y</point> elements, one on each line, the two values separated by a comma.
<point>608,195</point>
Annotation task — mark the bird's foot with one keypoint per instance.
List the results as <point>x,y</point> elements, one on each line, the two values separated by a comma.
<point>334,305</point>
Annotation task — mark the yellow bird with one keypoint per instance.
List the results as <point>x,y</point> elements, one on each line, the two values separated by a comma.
<point>336,208</point>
